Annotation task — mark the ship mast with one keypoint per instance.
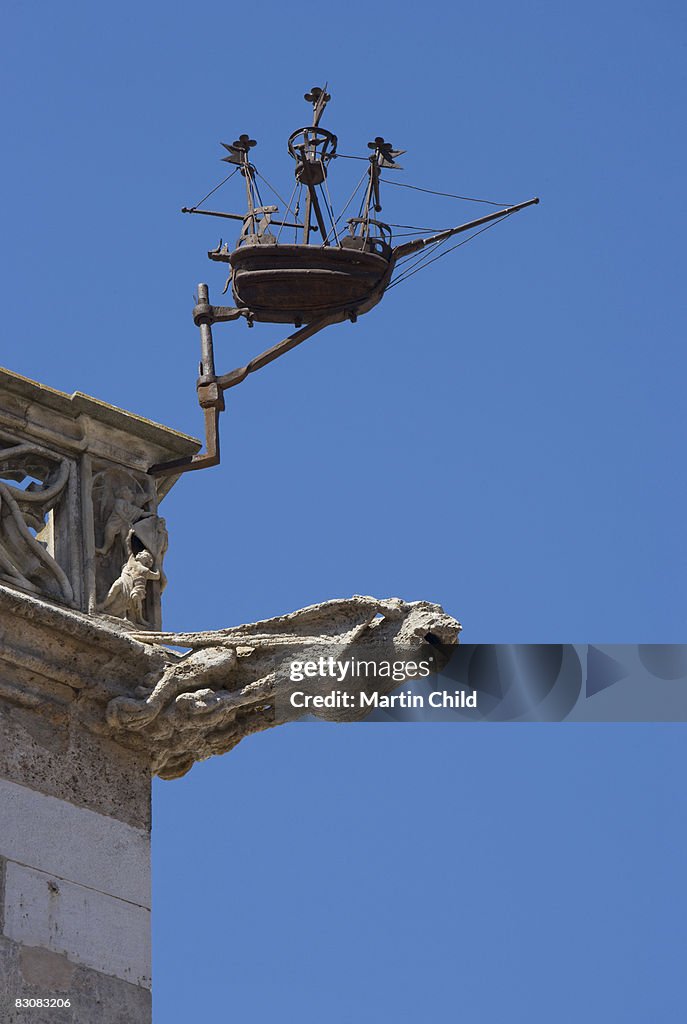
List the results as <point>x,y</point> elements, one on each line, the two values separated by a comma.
<point>383,157</point>
<point>312,148</point>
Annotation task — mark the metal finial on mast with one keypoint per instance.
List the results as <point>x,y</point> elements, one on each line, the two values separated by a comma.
<point>319,99</point>
<point>383,157</point>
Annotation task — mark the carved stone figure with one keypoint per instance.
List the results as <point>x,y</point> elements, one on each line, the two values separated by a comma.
<point>151,533</point>
<point>133,542</point>
<point>127,594</point>
<point>122,517</point>
<point>24,556</point>
<point>235,682</point>
<point>120,500</point>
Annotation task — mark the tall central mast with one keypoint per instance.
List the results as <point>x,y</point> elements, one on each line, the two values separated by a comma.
<point>312,148</point>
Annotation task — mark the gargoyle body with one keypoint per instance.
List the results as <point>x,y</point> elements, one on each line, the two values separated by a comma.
<point>234,682</point>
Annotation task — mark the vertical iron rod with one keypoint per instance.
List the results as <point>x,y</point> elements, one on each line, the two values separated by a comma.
<point>207,355</point>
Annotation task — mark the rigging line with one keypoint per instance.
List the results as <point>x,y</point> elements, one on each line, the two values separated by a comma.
<point>352,196</point>
<point>413,257</point>
<point>413,228</point>
<point>425,259</point>
<point>369,197</point>
<point>413,268</point>
<point>418,262</point>
<point>257,191</point>
<point>409,273</point>
<point>449,195</point>
<point>222,182</point>
<point>330,210</point>
<point>286,205</point>
<point>324,191</point>
<point>408,262</point>
<point>411,234</point>
<point>362,202</point>
<point>421,261</point>
<point>296,212</point>
<point>281,226</point>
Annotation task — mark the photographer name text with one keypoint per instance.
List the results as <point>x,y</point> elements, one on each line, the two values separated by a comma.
<point>373,699</point>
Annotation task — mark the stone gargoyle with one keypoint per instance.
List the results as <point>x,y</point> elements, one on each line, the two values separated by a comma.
<point>238,681</point>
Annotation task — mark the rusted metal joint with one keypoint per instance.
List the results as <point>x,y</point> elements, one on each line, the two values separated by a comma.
<point>204,313</point>
<point>210,394</point>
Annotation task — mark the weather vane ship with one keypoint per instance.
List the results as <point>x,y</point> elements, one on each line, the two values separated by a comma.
<point>306,267</point>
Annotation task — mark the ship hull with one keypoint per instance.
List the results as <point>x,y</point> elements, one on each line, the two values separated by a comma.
<point>301,283</point>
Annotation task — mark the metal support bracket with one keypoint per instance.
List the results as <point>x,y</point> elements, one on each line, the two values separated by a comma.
<point>210,388</point>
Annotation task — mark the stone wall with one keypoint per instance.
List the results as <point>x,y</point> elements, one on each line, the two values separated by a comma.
<point>74,821</point>
<point>75,914</point>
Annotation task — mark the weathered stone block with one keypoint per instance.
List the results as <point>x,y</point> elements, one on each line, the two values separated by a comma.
<point>89,927</point>
<point>75,844</point>
<point>34,973</point>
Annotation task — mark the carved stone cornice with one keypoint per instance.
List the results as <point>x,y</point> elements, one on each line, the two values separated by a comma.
<point>78,423</point>
<point>58,659</point>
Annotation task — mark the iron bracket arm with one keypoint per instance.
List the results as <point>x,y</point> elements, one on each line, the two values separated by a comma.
<point>210,388</point>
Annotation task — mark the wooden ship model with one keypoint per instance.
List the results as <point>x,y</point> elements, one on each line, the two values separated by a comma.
<point>305,267</point>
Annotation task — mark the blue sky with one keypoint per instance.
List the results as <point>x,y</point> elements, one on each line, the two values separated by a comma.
<point>503,435</point>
